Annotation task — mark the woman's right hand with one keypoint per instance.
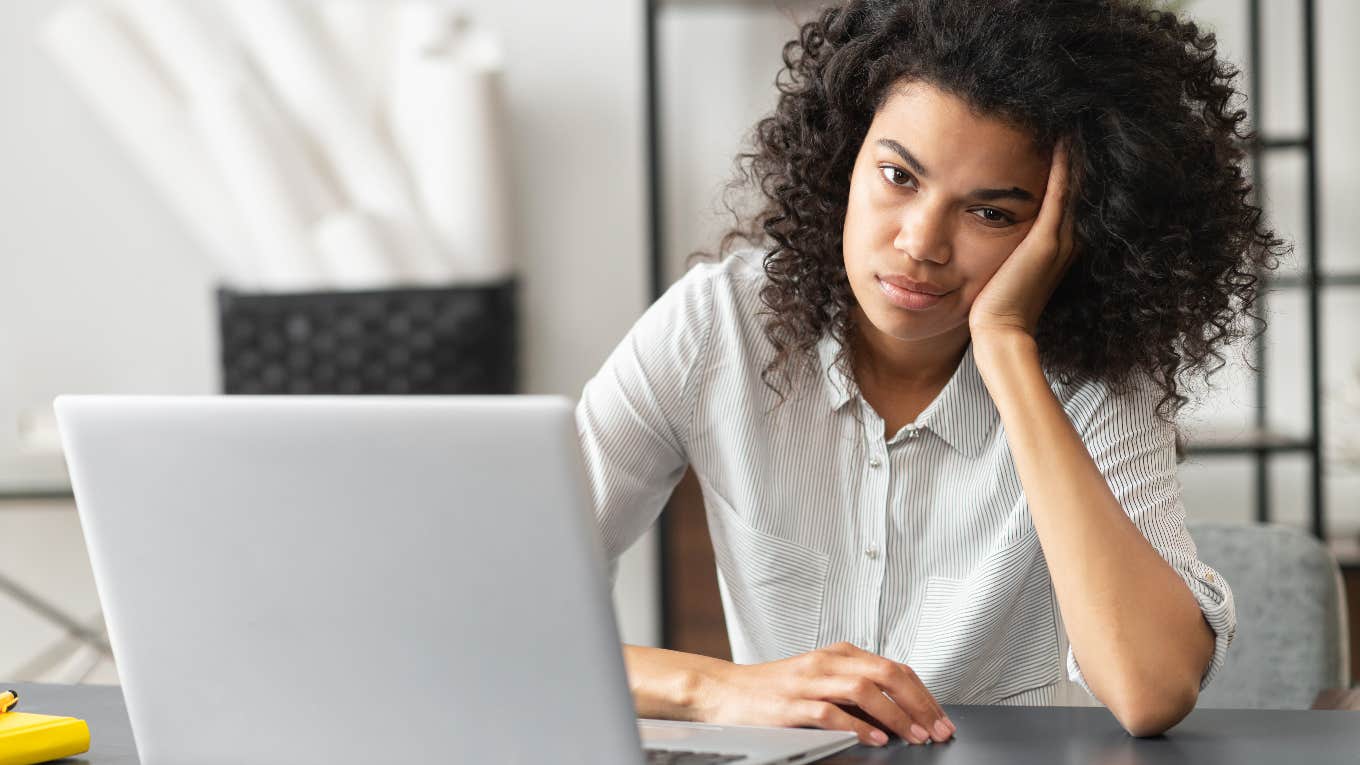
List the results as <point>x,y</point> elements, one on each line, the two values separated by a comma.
<point>839,687</point>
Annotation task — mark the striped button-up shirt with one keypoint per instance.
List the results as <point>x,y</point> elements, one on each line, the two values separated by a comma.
<point>918,546</point>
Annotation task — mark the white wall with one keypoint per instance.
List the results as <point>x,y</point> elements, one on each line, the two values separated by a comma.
<point>103,290</point>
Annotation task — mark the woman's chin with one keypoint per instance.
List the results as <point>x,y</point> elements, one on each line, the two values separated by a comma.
<point>915,327</point>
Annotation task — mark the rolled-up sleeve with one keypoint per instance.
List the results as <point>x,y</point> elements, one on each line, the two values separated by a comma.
<point>634,415</point>
<point>1136,452</point>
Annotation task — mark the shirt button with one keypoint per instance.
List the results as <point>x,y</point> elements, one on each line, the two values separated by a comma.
<point>913,432</point>
<point>871,552</point>
<point>873,462</point>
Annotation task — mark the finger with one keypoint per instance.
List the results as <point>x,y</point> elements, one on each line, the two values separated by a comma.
<point>1055,196</point>
<point>1067,236</point>
<point>894,675</point>
<point>905,689</point>
<point>1067,243</point>
<point>1067,228</point>
<point>843,648</point>
<point>913,677</point>
<point>828,716</point>
<point>868,696</point>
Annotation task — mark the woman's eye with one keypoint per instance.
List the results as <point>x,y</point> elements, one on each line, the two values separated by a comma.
<point>992,215</point>
<point>897,176</point>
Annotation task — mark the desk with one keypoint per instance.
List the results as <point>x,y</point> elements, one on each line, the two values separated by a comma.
<point>1001,735</point>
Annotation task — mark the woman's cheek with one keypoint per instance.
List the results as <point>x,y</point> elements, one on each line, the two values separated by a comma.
<point>995,256</point>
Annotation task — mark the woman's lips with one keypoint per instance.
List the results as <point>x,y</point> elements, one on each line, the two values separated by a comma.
<point>908,299</point>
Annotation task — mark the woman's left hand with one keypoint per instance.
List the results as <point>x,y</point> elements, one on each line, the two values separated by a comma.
<point>1017,293</point>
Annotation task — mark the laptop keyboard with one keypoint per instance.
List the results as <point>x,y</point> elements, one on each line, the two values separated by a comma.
<point>680,757</point>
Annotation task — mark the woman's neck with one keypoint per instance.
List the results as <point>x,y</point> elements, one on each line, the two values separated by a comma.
<point>884,362</point>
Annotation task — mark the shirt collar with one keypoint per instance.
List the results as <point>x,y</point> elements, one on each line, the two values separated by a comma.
<point>962,414</point>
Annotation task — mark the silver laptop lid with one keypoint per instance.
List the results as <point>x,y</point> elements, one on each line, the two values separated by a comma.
<point>323,579</point>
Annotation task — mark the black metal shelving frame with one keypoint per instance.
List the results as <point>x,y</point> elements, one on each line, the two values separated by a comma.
<point>1261,444</point>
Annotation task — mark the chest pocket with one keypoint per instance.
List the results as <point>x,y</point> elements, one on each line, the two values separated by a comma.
<point>774,589</point>
<point>990,635</point>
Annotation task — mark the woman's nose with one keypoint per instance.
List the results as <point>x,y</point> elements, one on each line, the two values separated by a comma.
<point>923,233</point>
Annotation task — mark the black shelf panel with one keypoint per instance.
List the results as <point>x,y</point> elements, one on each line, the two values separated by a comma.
<point>1251,441</point>
<point>1300,281</point>
<point>43,494</point>
<point>1295,142</point>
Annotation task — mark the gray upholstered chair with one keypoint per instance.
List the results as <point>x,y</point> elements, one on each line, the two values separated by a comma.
<point>1291,640</point>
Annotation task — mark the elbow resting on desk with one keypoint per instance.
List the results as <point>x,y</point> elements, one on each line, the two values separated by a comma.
<point>1152,708</point>
<point>1148,672</point>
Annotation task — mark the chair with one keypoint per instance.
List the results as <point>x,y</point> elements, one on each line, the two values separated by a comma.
<point>1291,641</point>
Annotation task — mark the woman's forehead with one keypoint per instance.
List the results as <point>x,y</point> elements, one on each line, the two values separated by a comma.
<point>953,141</point>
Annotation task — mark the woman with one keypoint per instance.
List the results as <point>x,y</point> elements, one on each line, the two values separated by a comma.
<point>933,415</point>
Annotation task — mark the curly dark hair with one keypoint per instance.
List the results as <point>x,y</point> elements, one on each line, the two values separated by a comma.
<point>1171,245</point>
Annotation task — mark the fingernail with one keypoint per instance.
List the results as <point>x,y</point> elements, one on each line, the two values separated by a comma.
<point>919,732</point>
<point>941,731</point>
<point>952,727</point>
<point>879,737</point>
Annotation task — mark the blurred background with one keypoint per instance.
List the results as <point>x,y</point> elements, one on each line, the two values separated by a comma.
<point>609,133</point>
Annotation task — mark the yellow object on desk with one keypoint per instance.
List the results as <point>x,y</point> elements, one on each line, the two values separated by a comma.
<point>26,739</point>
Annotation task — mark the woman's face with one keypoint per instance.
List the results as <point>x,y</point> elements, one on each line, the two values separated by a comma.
<point>939,197</point>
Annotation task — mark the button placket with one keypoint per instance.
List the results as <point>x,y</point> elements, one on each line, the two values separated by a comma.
<point>873,522</point>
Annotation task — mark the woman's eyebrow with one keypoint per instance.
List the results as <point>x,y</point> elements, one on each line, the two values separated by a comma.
<point>993,195</point>
<point>981,195</point>
<point>906,156</point>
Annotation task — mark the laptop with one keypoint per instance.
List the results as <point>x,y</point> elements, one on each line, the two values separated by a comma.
<point>366,579</point>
